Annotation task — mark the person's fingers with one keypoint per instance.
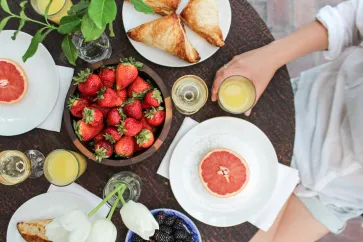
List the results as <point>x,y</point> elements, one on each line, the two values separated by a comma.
<point>248,112</point>
<point>216,83</point>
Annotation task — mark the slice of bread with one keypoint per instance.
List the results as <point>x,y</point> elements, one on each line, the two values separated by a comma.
<point>34,231</point>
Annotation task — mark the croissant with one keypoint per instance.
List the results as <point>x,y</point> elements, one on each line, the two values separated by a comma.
<point>162,7</point>
<point>202,17</point>
<point>34,231</point>
<point>168,34</point>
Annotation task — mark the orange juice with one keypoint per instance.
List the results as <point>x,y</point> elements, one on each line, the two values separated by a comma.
<point>57,10</point>
<point>63,167</point>
<point>236,94</point>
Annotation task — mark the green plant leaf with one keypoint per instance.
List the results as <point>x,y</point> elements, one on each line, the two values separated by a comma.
<point>22,19</point>
<point>141,6</point>
<point>102,12</point>
<point>110,28</point>
<point>36,40</point>
<point>69,50</point>
<point>90,30</point>
<point>4,5</point>
<point>79,8</point>
<point>47,11</point>
<point>69,24</point>
<point>4,22</point>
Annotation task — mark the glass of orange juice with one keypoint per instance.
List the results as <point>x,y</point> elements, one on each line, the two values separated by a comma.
<point>237,94</point>
<point>57,10</point>
<point>63,167</point>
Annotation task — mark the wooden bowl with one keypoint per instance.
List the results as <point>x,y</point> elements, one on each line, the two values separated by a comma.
<point>160,135</point>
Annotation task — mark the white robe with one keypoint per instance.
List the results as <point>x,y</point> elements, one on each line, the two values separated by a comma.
<point>328,149</point>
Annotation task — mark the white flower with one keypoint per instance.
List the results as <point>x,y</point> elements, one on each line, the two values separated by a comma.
<point>138,219</point>
<point>73,226</point>
<point>103,230</point>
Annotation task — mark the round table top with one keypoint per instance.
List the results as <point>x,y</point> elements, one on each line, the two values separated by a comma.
<point>274,114</point>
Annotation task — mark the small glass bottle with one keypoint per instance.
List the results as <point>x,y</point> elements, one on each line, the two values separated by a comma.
<point>133,187</point>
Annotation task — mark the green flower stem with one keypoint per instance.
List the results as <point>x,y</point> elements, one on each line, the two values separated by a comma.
<point>118,188</point>
<point>113,209</point>
<point>120,196</point>
<point>35,21</point>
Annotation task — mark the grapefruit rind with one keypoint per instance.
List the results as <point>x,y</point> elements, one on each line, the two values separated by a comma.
<point>205,184</point>
<point>25,79</point>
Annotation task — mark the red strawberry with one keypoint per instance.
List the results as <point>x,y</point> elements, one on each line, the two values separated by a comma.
<point>125,147</point>
<point>76,106</point>
<point>107,97</point>
<point>133,108</point>
<point>153,98</point>
<point>88,83</point>
<point>90,99</point>
<point>145,106</point>
<point>126,72</point>
<point>108,76</point>
<point>130,127</point>
<point>146,125</point>
<point>122,94</point>
<point>86,132</point>
<point>145,138</point>
<point>103,150</point>
<point>155,116</point>
<point>111,134</point>
<point>137,87</point>
<point>104,110</point>
<point>137,147</point>
<point>98,137</point>
<point>92,116</point>
<point>115,116</point>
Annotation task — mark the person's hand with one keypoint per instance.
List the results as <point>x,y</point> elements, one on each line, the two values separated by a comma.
<point>257,65</point>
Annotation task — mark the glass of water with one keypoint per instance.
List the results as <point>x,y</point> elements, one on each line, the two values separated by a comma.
<point>92,51</point>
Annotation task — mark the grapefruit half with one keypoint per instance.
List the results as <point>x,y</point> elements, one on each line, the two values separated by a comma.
<point>223,173</point>
<point>13,82</point>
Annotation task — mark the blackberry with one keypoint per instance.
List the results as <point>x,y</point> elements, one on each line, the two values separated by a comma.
<point>179,224</point>
<point>162,237</point>
<point>166,229</point>
<point>169,220</point>
<point>136,238</point>
<point>189,238</point>
<point>160,217</point>
<point>181,234</point>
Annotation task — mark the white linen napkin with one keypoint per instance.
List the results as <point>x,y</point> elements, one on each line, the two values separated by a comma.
<point>54,121</point>
<point>288,178</point>
<point>76,189</point>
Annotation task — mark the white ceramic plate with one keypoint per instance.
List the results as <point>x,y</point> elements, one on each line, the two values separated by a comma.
<point>46,206</point>
<point>43,86</point>
<point>132,18</point>
<point>241,137</point>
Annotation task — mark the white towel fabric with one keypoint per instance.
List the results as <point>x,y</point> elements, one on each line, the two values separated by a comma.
<point>288,178</point>
<point>76,189</point>
<point>54,120</point>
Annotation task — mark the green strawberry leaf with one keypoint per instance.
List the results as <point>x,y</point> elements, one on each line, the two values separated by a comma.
<point>131,61</point>
<point>102,12</point>
<point>36,40</point>
<point>69,24</point>
<point>3,22</point>
<point>100,94</point>
<point>76,130</point>
<point>141,6</point>
<point>109,138</point>
<point>81,76</point>
<point>143,136</point>
<point>88,115</point>
<point>4,5</point>
<point>71,101</point>
<point>69,50</point>
<point>90,30</point>
<point>101,153</point>
<point>157,95</point>
<point>121,129</point>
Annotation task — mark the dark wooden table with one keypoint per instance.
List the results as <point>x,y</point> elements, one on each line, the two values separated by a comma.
<point>274,114</point>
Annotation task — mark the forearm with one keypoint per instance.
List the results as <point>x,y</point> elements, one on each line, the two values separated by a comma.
<point>311,38</point>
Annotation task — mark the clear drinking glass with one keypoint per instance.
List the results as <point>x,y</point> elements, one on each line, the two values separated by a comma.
<point>37,162</point>
<point>133,187</point>
<point>189,94</point>
<point>92,51</point>
<point>14,167</point>
<point>58,9</point>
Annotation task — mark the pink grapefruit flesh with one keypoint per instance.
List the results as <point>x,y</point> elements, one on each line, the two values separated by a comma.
<point>13,82</point>
<point>223,173</point>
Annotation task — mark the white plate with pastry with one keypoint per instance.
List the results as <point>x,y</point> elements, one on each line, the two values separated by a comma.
<point>178,34</point>
<point>38,212</point>
<point>42,81</point>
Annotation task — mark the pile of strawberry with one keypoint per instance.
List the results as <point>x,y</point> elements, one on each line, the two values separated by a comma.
<point>117,110</point>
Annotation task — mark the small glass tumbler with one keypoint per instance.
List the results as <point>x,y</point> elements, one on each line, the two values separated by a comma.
<point>133,187</point>
<point>92,51</point>
<point>37,162</point>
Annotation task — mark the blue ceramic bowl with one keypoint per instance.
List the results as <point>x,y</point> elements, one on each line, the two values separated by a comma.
<point>188,223</point>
